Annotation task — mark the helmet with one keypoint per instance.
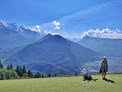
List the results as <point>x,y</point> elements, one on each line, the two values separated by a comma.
<point>104,57</point>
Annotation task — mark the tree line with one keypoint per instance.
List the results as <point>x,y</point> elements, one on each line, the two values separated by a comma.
<point>19,72</point>
<point>16,73</point>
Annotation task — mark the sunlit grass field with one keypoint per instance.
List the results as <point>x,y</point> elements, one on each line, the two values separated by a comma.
<point>63,84</point>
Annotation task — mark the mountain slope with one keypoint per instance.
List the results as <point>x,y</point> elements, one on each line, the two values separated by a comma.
<point>56,50</point>
<point>109,47</point>
<point>6,53</point>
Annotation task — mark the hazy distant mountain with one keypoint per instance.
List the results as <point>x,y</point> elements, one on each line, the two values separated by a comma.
<point>13,35</point>
<point>75,39</point>
<point>109,47</point>
<point>53,54</point>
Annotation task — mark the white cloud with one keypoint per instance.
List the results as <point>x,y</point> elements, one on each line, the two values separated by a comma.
<point>35,28</point>
<point>57,24</point>
<point>105,33</point>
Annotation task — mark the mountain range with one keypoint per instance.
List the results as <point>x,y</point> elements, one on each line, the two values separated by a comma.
<point>13,35</point>
<point>105,46</point>
<point>53,54</point>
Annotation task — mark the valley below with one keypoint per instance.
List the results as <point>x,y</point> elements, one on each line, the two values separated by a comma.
<point>114,66</point>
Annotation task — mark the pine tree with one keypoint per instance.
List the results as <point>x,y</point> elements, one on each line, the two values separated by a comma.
<point>8,67</point>
<point>1,65</point>
<point>20,71</point>
<point>30,74</point>
<point>24,69</point>
<point>11,66</point>
<point>17,69</point>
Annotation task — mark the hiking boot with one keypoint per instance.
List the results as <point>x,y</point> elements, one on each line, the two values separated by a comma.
<point>103,78</point>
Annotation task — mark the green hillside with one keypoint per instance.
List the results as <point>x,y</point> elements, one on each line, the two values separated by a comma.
<point>63,84</point>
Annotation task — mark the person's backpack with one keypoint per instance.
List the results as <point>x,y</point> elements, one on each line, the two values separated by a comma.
<point>87,77</point>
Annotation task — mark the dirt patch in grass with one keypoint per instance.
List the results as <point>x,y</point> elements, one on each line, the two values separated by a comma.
<point>91,87</point>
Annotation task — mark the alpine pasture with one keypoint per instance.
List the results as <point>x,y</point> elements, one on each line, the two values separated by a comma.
<point>63,84</point>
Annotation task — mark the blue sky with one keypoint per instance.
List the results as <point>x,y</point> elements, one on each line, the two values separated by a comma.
<point>72,16</point>
<point>33,12</point>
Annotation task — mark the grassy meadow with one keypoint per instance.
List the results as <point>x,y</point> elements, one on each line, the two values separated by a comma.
<point>63,84</point>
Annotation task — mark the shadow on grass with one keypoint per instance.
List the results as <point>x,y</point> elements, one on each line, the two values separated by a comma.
<point>108,80</point>
<point>95,79</point>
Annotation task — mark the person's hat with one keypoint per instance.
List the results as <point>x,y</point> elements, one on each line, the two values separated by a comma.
<point>104,57</point>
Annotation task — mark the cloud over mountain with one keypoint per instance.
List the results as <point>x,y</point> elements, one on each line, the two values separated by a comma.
<point>35,28</point>
<point>105,33</point>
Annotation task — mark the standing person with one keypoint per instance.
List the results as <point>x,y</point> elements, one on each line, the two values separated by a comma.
<point>104,67</point>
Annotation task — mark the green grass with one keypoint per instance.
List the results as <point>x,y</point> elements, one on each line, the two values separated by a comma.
<point>63,84</point>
